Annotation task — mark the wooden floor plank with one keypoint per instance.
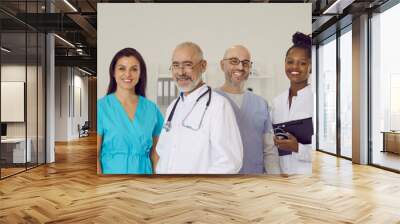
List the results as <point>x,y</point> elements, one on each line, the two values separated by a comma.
<point>69,191</point>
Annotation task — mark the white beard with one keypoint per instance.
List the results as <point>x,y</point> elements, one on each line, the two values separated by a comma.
<point>190,87</point>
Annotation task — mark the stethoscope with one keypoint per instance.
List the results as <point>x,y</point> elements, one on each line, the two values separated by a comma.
<point>167,125</point>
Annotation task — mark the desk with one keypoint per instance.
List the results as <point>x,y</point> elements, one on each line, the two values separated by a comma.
<point>16,147</point>
<point>391,141</point>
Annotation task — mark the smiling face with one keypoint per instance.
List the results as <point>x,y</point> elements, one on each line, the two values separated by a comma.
<point>187,67</point>
<point>127,73</point>
<point>236,66</point>
<point>297,66</point>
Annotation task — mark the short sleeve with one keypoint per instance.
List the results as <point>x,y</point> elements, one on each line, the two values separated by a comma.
<point>159,123</point>
<point>100,121</point>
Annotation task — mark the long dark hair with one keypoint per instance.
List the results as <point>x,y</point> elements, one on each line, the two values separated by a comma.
<point>140,88</point>
<point>303,41</point>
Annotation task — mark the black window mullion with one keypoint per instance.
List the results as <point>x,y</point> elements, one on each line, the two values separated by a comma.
<point>45,73</point>
<point>338,98</point>
<point>369,83</point>
<point>37,92</point>
<point>317,95</point>
<point>0,96</point>
<point>26,87</point>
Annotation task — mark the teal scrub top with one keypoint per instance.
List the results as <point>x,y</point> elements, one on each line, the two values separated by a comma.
<point>126,144</point>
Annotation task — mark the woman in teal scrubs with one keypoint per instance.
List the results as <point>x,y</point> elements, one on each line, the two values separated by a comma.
<point>128,124</point>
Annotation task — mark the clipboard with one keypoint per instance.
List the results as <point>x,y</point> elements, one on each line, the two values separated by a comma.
<point>302,129</point>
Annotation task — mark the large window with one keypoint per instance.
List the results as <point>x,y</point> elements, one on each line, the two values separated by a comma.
<point>13,148</point>
<point>346,93</point>
<point>327,96</point>
<point>334,137</point>
<point>22,88</point>
<point>385,89</point>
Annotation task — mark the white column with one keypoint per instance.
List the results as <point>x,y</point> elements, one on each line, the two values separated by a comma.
<point>50,92</point>
<point>360,90</point>
<point>50,101</point>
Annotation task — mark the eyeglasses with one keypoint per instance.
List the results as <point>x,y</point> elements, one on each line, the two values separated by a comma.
<point>186,66</point>
<point>236,61</point>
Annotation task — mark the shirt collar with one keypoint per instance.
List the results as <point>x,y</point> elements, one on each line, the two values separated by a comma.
<point>195,94</point>
<point>302,91</point>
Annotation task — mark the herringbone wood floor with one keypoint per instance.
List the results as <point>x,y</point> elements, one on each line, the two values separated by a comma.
<point>69,191</point>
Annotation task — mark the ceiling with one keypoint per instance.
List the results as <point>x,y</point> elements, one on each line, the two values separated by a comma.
<point>76,22</point>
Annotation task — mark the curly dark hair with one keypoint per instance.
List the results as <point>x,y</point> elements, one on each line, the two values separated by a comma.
<point>303,41</point>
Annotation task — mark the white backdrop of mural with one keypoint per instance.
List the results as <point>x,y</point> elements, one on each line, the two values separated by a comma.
<point>155,29</point>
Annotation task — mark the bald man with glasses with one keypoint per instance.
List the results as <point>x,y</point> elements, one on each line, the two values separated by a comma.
<point>252,113</point>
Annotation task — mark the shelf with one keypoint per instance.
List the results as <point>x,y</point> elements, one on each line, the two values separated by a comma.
<point>164,75</point>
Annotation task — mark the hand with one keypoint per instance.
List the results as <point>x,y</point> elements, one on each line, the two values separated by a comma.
<point>99,171</point>
<point>290,144</point>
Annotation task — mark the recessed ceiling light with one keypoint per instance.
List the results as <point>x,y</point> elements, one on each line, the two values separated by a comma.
<point>70,5</point>
<point>64,40</point>
<point>338,6</point>
<point>84,71</point>
<point>5,50</point>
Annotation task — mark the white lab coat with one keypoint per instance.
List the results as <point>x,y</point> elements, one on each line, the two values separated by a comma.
<point>271,155</point>
<point>216,148</point>
<point>302,107</point>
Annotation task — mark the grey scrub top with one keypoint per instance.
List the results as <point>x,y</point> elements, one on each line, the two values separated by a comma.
<point>254,121</point>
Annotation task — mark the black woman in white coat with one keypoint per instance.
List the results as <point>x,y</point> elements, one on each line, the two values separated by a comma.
<point>295,103</point>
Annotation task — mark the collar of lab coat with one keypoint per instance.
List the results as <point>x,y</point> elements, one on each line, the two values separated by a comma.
<point>302,91</point>
<point>195,94</point>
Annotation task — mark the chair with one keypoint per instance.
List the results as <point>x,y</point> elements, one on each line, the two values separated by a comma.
<point>84,130</point>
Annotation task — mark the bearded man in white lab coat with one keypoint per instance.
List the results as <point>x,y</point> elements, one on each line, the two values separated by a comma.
<point>196,138</point>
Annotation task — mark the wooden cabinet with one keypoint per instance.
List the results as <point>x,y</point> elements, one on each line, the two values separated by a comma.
<point>391,142</point>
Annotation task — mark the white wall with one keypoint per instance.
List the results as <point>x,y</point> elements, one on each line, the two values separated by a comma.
<point>80,83</point>
<point>12,73</point>
<point>67,115</point>
<point>61,103</point>
<point>33,126</point>
<point>155,29</point>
